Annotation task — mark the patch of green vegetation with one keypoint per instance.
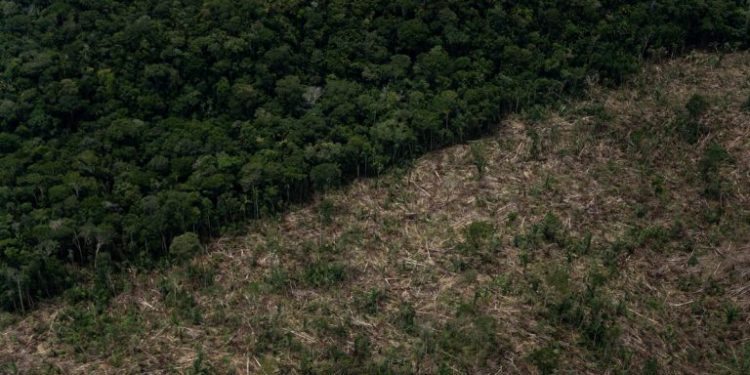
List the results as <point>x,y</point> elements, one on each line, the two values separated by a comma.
<point>710,165</point>
<point>697,105</point>
<point>732,313</point>
<point>200,275</point>
<point>271,337</point>
<point>650,367</point>
<point>535,149</point>
<point>322,274</point>
<point>739,362</point>
<point>107,283</point>
<point>600,115</point>
<point>370,302</point>
<point>503,284</point>
<point>362,348</point>
<point>91,333</point>
<point>104,285</point>
<point>7,319</point>
<point>548,184</point>
<point>469,339</point>
<point>200,366</point>
<point>278,278</point>
<point>548,231</point>
<point>587,310</point>
<point>688,122</point>
<point>536,113</point>
<point>479,236</point>
<point>405,318</point>
<point>181,302</point>
<point>478,158</point>
<point>326,210</point>
<point>511,218</point>
<point>546,359</point>
<point>185,246</point>
<point>653,237</point>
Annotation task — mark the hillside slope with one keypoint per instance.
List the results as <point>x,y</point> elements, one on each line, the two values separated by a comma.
<point>611,234</point>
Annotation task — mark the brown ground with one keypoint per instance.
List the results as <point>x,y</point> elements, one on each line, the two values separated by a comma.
<point>379,275</point>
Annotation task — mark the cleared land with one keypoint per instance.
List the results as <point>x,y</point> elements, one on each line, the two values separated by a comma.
<point>611,234</point>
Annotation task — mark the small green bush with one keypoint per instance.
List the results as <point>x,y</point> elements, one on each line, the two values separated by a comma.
<point>536,144</point>
<point>405,318</point>
<point>740,362</point>
<point>548,230</point>
<point>200,367</point>
<point>183,306</point>
<point>362,348</point>
<point>545,359</point>
<point>478,236</point>
<point>370,302</point>
<point>714,157</point>
<point>688,123</point>
<point>201,275</point>
<point>106,283</point>
<point>470,339</point>
<point>323,274</point>
<point>697,106</point>
<point>326,210</point>
<point>599,115</point>
<point>278,279</point>
<point>650,367</point>
<point>185,246</point>
<point>589,311</point>
<point>89,331</point>
<point>746,104</point>
<point>478,158</point>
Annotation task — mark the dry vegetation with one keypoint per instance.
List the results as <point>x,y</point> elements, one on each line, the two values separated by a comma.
<point>609,235</point>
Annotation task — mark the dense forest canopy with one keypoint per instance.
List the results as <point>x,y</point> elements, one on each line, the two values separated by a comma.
<point>124,124</point>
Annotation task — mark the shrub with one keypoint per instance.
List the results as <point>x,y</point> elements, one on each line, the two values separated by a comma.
<point>470,339</point>
<point>536,144</point>
<point>181,302</point>
<point>369,302</point>
<point>478,158</point>
<point>362,347</point>
<point>587,310</point>
<point>278,279</point>
<point>89,331</point>
<point>548,230</point>
<point>545,359</point>
<point>185,246</point>
<point>689,124</point>
<point>405,318</point>
<point>696,106</point>
<point>326,210</point>
<point>478,236</point>
<point>323,274</point>
<point>714,157</point>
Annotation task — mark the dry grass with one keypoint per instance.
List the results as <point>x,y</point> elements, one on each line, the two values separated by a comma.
<point>677,298</point>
